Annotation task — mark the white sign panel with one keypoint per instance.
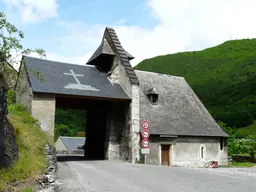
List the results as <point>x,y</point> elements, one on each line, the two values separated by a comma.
<point>145,151</point>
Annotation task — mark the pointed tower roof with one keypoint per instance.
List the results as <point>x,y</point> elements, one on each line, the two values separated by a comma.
<point>104,48</point>
<point>108,49</point>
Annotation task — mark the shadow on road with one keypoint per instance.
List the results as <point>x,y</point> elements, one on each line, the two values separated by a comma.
<point>63,158</point>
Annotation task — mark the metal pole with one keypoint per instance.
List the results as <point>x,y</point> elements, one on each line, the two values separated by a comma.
<point>145,159</point>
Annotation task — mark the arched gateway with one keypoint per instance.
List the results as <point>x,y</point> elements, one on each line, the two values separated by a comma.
<point>117,98</point>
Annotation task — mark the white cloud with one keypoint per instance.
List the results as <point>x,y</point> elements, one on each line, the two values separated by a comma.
<point>183,25</point>
<point>33,11</point>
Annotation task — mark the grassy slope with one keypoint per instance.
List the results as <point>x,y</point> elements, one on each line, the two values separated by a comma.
<point>223,77</point>
<point>250,129</point>
<point>31,142</point>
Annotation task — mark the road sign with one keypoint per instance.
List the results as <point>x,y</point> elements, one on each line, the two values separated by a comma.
<point>145,143</point>
<point>145,134</point>
<point>145,151</point>
<point>145,124</point>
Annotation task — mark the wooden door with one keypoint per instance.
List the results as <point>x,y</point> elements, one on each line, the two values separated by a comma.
<point>166,155</point>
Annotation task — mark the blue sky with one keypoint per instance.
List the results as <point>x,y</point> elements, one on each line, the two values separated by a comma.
<point>71,30</point>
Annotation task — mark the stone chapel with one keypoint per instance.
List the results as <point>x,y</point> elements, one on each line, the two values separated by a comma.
<point>117,99</point>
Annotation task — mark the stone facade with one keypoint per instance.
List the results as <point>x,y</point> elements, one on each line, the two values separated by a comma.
<point>43,109</point>
<point>23,90</point>
<point>114,125</point>
<point>41,106</point>
<point>135,124</point>
<point>186,151</point>
<point>132,135</point>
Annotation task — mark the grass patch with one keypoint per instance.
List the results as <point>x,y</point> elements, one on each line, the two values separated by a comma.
<point>244,154</point>
<point>243,164</point>
<point>27,189</point>
<point>31,141</point>
<point>249,130</point>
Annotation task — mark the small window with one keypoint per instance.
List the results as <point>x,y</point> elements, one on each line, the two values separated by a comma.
<point>221,143</point>
<point>153,98</point>
<point>202,152</point>
<point>152,95</point>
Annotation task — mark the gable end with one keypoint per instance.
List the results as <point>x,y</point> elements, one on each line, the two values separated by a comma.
<point>123,56</point>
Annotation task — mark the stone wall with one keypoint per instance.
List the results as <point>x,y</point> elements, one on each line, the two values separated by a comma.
<point>130,133</point>
<point>8,147</point>
<point>115,126</point>
<point>125,149</point>
<point>154,157</point>
<point>43,109</point>
<point>134,123</point>
<point>186,151</point>
<point>23,90</point>
<point>125,81</point>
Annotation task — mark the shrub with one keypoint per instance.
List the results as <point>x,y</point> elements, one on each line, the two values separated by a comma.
<point>11,97</point>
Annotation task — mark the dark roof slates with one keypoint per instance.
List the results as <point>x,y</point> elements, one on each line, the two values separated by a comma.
<point>93,83</point>
<point>178,110</point>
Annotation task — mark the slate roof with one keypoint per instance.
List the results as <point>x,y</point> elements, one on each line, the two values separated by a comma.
<point>58,79</point>
<point>71,143</point>
<point>178,111</point>
<point>104,48</point>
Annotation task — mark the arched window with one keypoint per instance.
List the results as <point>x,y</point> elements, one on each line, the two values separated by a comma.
<point>202,152</point>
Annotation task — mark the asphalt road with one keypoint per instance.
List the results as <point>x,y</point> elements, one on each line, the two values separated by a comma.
<point>112,176</point>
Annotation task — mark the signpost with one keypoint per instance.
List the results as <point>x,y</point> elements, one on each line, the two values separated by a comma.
<point>145,143</point>
<point>145,135</point>
<point>145,124</point>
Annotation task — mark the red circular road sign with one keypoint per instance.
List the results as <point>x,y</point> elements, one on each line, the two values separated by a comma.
<point>145,134</point>
<point>145,124</point>
<point>145,143</point>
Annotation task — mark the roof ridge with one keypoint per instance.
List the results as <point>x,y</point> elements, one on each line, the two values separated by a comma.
<point>57,62</point>
<point>159,73</point>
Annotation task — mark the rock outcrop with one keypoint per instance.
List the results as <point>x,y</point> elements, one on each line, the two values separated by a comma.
<point>8,147</point>
<point>8,75</point>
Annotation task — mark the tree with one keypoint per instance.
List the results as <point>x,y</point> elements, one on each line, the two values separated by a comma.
<point>245,145</point>
<point>10,43</point>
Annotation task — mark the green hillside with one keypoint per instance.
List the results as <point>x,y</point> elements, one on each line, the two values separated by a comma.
<point>223,77</point>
